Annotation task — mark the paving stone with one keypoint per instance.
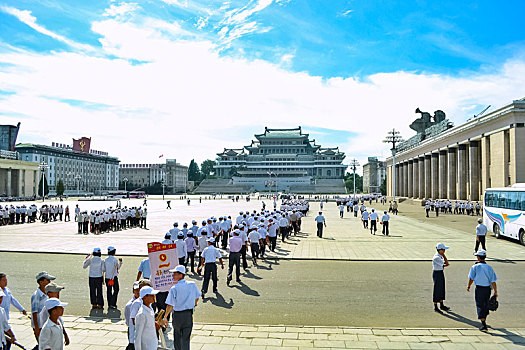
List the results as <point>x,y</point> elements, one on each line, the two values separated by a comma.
<point>456,346</point>
<point>403,338</point>
<point>254,334</point>
<point>361,344</point>
<point>488,346</point>
<point>424,346</point>
<point>298,342</point>
<point>206,340</point>
<point>267,341</point>
<point>315,336</point>
<point>353,337</point>
<point>284,335</point>
<point>416,332</point>
<point>433,338</point>
<point>387,332</point>
<point>328,330</point>
<point>236,341</point>
<point>330,343</point>
<point>392,345</point>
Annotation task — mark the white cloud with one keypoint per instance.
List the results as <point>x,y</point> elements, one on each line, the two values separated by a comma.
<point>27,18</point>
<point>122,9</point>
<point>346,13</point>
<point>186,100</point>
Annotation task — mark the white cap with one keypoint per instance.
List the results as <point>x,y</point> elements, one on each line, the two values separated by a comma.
<point>211,240</point>
<point>136,285</point>
<point>53,302</point>
<point>96,250</point>
<point>481,252</point>
<point>180,269</point>
<point>110,248</point>
<point>440,246</point>
<point>147,290</point>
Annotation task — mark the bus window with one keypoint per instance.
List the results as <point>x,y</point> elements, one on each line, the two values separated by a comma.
<point>512,200</point>
<point>501,200</point>
<point>522,200</point>
<point>489,199</point>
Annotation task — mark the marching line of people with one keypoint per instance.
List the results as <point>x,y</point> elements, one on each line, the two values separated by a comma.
<point>445,206</point>
<point>110,219</point>
<point>21,214</point>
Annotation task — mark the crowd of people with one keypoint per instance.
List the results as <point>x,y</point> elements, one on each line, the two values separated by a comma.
<point>110,219</point>
<point>21,214</point>
<point>445,206</point>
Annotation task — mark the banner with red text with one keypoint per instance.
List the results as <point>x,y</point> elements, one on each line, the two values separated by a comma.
<point>162,258</point>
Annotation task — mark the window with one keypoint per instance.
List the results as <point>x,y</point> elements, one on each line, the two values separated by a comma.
<point>522,200</point>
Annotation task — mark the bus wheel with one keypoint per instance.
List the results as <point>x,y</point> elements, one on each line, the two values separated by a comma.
<point>522,237</point>
<point>496,231</point>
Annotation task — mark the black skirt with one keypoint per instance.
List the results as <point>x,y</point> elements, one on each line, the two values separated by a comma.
<point>439,286</point>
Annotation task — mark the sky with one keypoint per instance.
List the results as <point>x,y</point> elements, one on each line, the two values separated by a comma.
<point>188,78</point>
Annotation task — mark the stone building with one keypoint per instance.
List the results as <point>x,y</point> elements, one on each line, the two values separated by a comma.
<point>461,162</point>
<point>281,159</point>
<point>374,173</point>
<point>142,175</point>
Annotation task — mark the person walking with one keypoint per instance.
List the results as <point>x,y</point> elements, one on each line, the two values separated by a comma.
<point>481,235</point>
<point>182,299</point>
<point>111,267</point>
<point>439,262</point>
<point>191,248</point>
<point>254,238</point>
<point>209,257</point>
<point>364,218</point>
<point>9,299</point>
<point>234,259</point>
<point>52,334</point>
<point>94,262</point>
<point>483,276</point>
<point>427,206</point>
<point>341,210</point>
<point>5,328</point>
<point>321,222</point>
<point>38,299</point>
<point>385,220</point>
<point>145,325</point>
<point>373,221</point>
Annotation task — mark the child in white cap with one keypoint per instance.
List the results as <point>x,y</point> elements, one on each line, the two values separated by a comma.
<point>52,333</point>
<point>5,328</point>
<point>145,325</point>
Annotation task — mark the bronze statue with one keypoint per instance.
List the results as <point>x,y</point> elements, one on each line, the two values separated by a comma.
<point>425,121</point>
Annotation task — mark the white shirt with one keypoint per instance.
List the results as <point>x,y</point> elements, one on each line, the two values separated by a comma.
<point>365,215</point>
<point>182,250</point>
<point>111,267</point>
<point>254,237</point>
<point>319,219</point>
<point>95,266</point>
<point>8,300</point>
<point>373,216</point>
<point>385,218</point>
<point>4,325</point>
<point>481,230</point>
<point>437,262</point>
<point>51,336</point>
<point>210,254</point>
<point>145,333</point>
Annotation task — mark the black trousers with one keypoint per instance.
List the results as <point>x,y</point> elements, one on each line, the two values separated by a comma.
<point>234,260</point>
<point>427,211</point>
<point>373,226</point>
<point>160,301</point>
<point>481,239</point>
<point>243,256</point>
<point>341,213</point>
<point>273,243</point>
<point>79,227</point>
<point>284,232</point>
<point>95,291</point>
<point>182,327</point>
<point>482,296</point>
<point>191,260</point>
<point>385,228</point>
<point>112,292</point>
<point>255,251</point>
<point>320,229</point>
<point>439,286</point>
<point>210,271</point>
<point>182,261</point>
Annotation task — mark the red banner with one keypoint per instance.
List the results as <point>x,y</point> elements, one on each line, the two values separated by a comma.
<point>82,145</point>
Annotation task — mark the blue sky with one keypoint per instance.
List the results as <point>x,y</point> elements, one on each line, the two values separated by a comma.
<point>347,70</point>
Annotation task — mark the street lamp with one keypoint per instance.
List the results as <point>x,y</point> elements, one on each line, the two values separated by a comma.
<point>43,166</point>
<point>353,165</point>
<point>393,137</point>
<point>78,177</point>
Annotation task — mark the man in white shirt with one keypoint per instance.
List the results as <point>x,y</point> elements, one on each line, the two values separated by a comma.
<point>385,220</point>
<point>5,328</point>
<point>111,268</point>
<point>341,210</point>
<point>373,222</point>
<point>145,325</point>
<point>182,250</point>
<point>364,217</point>
<point>127,315</point>
<point>481,234</point>
<point>320,220</point>
<point>209,257</point>
<point>52,334</point>
<point>9,299</point>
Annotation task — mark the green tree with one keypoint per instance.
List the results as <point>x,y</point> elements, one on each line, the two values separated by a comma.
<point>46,187</point>
<point>194,174</point>
<point>60,187</point>
<point>349,183</point>
<point>207,168</point>
<point>383,187</point>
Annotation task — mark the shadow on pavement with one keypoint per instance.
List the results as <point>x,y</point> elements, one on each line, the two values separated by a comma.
<point>97,314</point>
<point>246,290</point>
<point>457,317</point>
<point>247,273</point>
<point>219,301</point>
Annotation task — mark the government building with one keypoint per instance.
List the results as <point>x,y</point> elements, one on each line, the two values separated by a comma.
<point>79,167</point>
<point>460,162</point>
<point>282,160</point>
<point>142,175</point>
<point>374,173</point>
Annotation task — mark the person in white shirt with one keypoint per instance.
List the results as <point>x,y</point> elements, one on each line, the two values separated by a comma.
<point>373,221</point>
<point>320,220</point>
<point>439,262</point>
<point>364,218</point>
<point>145,325</point>
<point>191,247</point>
<point>127,315</point>
<point>385,220</point>
<point>111,267</point>
<point>94,262</point>
<point>182,249</point>
<point>5,328</point>
<point>209,257</point>
<point>481,234</point>
<point>8,298</point>
<point>52,334</point>
<point>341,210</point>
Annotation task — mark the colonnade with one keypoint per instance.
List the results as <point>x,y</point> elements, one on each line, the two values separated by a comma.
<point>453,173</point>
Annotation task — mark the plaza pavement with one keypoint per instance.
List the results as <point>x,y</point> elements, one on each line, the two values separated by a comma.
<point>412,236</point>
<point>110,334</point>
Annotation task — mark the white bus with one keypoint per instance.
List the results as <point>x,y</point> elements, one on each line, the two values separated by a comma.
<point>504,211</point>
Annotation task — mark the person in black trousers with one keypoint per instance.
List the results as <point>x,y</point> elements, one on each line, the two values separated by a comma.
<point>439,262</point>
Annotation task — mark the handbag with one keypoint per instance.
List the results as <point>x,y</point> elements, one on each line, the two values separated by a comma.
<point>493,303</point>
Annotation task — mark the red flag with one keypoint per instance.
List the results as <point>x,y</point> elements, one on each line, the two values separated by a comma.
<point>162,155</point>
